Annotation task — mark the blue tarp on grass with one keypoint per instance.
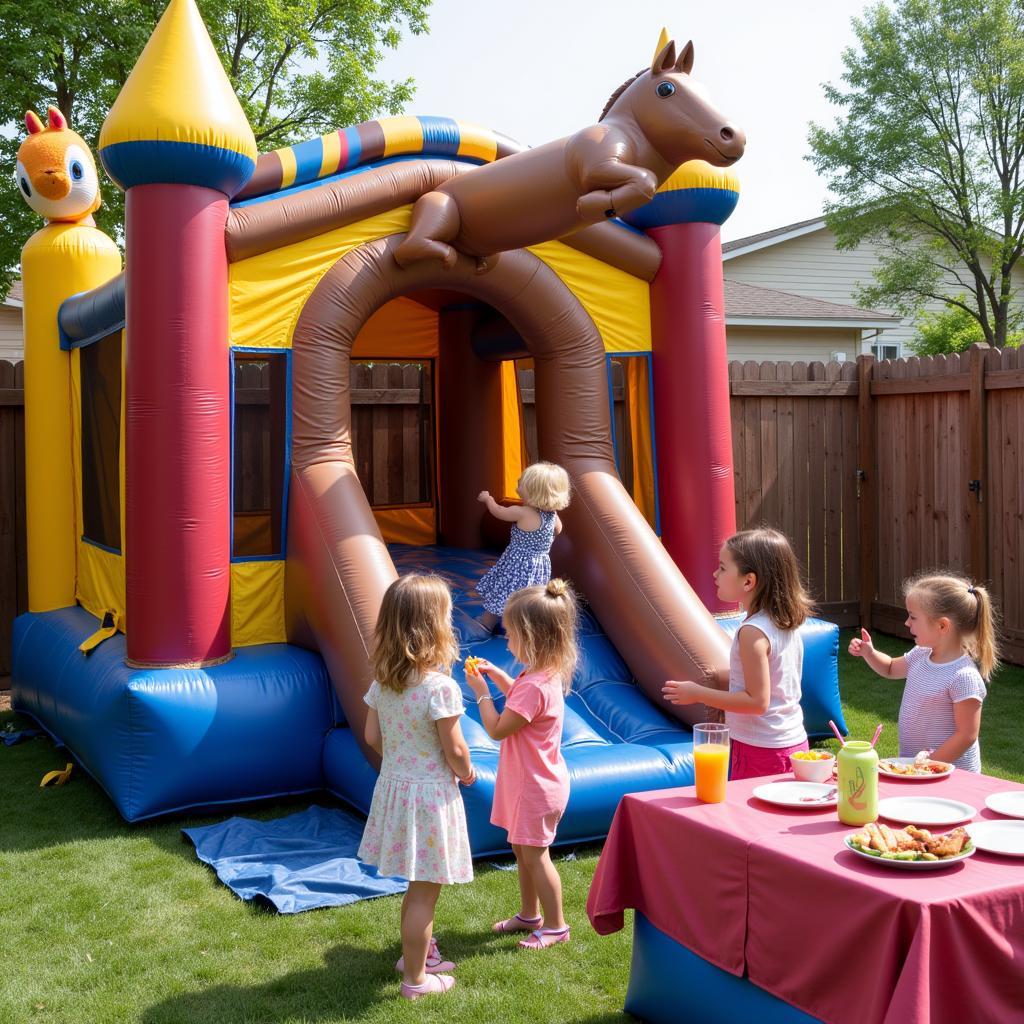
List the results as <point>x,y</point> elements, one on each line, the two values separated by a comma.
<point>301,862</point>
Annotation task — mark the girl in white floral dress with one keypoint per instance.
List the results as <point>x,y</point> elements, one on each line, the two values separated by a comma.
<point>417,823</point>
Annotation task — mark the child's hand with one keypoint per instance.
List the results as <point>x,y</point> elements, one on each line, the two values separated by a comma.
<point>474,680</point>
<point>484,496</point>
<point>469,779</point>
<point>684,692</point>
<point>861,646</point>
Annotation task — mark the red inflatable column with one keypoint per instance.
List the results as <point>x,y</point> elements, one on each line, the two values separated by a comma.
<point>691,382</point>
<point>176,140</point>
<point>178,436</point>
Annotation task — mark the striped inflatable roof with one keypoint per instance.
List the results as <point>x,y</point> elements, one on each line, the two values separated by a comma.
<point>350,148</point>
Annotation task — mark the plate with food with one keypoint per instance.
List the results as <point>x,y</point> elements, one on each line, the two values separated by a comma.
<point>1004,837</point>
<point>910,848</point>
<point>917,768</point>
<point>1008,801</point>
<point>925,810</point>
<point>801,795</point>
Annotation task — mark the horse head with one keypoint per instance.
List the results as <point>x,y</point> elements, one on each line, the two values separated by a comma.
<point>674,113</point>
<point>56,173</point>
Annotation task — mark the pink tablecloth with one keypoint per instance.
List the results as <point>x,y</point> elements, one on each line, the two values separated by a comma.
<point>772,893</point>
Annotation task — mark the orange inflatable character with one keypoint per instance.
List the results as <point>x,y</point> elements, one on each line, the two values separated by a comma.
<point>56,173</point>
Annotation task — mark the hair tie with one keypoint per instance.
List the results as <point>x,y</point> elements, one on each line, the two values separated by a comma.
<point>970,590</point>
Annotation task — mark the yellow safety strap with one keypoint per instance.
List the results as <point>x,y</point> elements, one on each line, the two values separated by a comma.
<point>57,778</point>
<point>108,627</point>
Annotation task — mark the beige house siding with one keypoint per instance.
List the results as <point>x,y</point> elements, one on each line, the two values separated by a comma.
<point>11,344</point>
<point>811,265</point>
<point>790,344</point>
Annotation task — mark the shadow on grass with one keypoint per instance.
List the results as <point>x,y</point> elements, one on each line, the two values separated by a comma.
<point>352,981</point>
<point>326,993</point>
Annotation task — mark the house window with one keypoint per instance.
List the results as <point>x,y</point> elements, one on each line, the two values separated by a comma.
<point>101,442</point>
<point>885,351</point>
<point>259,454</point>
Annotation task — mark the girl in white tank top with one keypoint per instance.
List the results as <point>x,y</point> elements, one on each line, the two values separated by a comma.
<point>758,570</point>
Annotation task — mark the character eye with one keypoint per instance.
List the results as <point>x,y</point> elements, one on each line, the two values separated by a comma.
<point>665,89</point>
<point>26,187</point>
<point>77,170</point>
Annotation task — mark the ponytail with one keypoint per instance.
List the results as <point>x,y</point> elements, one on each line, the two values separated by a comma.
<point>986,648</point>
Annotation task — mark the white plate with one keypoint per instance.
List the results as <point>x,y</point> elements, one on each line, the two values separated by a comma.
<point>1009,802</point>
<point>912,865</point>
<point>1005,837</point>
<point>925,811</point>
<point>911,778</point>
<point>801,795</point>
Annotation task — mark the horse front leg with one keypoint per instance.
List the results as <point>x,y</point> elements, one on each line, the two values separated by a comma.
<point>613,188</point>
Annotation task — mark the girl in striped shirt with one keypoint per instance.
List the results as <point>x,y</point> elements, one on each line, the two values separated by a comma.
<point>953,625</point>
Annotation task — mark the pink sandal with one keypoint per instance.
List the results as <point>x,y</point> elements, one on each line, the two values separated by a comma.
<point>517,924</point>
<point>435,985</point>
<point>436,964</point>
<point>544,937</point>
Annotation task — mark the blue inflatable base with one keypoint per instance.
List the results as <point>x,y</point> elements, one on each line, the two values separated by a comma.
<point>160,741</point>
<point>669,983</point>
<point>267,724</point>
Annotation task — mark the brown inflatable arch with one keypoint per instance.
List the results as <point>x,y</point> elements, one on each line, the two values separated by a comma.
<point>338,565</point>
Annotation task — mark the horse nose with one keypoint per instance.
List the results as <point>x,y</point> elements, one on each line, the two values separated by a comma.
<point>733,137</point>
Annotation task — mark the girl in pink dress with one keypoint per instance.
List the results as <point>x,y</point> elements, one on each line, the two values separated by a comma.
<point>532,788</point>
<point>417,824</point>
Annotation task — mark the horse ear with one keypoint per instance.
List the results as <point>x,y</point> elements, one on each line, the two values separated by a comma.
<point>32,122</point>
<point>685,63</point>
<point>57,119</point>
<point>665,59</point>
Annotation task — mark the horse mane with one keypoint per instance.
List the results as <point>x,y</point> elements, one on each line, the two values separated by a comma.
<point>618,92</point>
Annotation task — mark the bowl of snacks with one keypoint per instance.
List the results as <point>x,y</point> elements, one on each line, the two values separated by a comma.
<point>812,765</point>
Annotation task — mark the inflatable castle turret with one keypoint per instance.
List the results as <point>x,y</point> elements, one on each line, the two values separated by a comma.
<point>180,147</point>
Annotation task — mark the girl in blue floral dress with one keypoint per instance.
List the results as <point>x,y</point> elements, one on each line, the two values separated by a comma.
<point>526,562</point>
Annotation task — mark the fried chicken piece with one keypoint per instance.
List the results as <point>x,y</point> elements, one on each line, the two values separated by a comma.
<point>948,845</point>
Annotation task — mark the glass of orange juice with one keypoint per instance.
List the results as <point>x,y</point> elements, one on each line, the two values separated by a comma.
<point>711,761</point>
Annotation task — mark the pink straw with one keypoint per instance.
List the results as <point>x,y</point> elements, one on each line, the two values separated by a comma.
<point>878,732</point>
<point>839,735</point>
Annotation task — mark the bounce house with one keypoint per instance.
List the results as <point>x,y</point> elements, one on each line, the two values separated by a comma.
<point>192,648</point>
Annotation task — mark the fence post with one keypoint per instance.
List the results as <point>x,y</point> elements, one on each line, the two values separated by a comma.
<point>867,494</point>
<point>978,442</point>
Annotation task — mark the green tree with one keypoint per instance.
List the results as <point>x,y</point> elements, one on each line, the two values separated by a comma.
<point>952,330</point>
<point>300,68</point>
<point>927,156</point>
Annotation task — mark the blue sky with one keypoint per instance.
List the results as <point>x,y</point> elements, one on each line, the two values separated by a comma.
<point>540,69</point>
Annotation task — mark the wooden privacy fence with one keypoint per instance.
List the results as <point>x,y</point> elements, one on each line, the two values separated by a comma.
<point>875,470</point>
<point>881,470</point>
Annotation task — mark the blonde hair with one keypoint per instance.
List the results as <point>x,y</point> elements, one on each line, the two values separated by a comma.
<point>544,486</point>
<point>969,608</point>
<point>543,623</point>
<point>779,591</point>
<point>414,631</point>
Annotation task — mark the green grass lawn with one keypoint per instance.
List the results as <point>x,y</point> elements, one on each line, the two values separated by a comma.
<point>105,922</point>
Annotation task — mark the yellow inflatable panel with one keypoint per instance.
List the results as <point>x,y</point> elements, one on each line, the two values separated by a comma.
<point>267,292</point>
<point>59,260</point>
<point>257,603</point>
<point>618,303</point>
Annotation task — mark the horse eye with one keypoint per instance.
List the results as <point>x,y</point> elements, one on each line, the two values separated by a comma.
<point>26,188</point>
<point>665,89</point>
<point>77,170</point>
